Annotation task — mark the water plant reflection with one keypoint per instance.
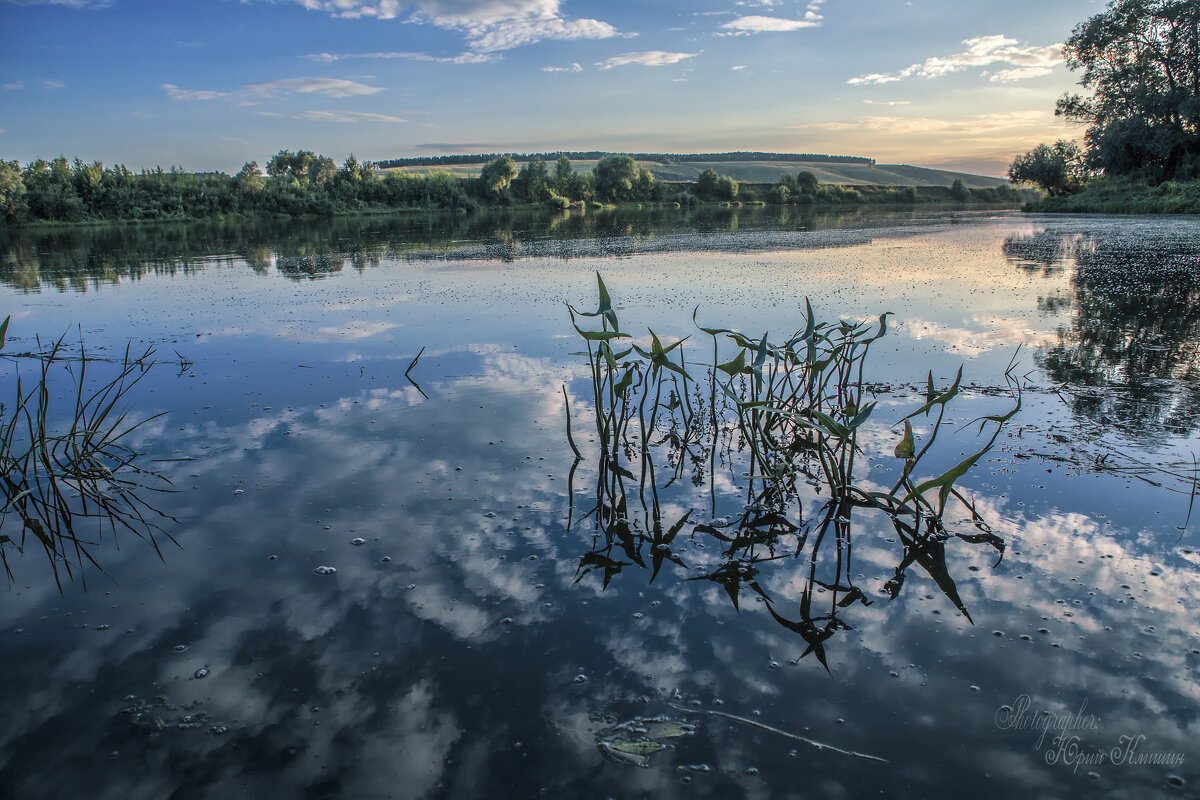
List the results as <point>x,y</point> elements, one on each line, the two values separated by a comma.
<point>69,475</point>
<point>788,420</point>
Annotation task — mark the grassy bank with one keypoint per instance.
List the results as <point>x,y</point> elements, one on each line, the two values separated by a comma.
<point>1108,196</point>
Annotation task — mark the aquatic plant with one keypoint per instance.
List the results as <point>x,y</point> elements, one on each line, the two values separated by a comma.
<point>68,474</point>
<point>785,417</point>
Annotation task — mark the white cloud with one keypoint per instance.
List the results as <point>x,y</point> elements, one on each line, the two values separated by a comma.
<point>737,67</point>
<point>888,102</point>
<point>575,67</point>
<point>330,87</point>
<point>15,86</point>
<point>489,26</point>
<point>1018,74</point>
<point>1029,61</point>
<point>335,116</point>
<point>51,85</point>
<point>175,93</point>
<point>516,33</point>
<point>67,3</point>
<point>464,58</point>
<point>650,58</point>
<point>756,24</point>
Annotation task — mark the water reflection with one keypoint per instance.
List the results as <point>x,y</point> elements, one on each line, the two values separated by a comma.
<point>74,258</point>
<point>787,417</point>
<point>1129,358</point>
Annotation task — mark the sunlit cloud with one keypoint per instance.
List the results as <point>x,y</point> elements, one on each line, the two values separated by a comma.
<point>175,93</point>
<point>978,124</point>
<point>574,67</point>
<point>335,116</point>
<point>330,87</point>
<point>489,26</point>
<point>759,24</point>
<point>651,58</point>
<point>1027,62</point>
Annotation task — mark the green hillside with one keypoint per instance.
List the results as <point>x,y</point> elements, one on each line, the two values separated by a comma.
<point>849,174</point>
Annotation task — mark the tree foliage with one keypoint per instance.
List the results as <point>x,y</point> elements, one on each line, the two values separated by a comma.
<point>1140,61</point>
<point>1057,170</point>
<point>497,175</point>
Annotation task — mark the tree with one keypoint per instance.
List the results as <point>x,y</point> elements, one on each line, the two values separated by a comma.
<point>807,182</point>
<point>497,175</point>
<point>615,176</point>
<point>1140,59</point>
<point>1058,170</point>
<point>727,188</point>
<point>959,191</point>
<point>321,169</point>
<point>706,184</point>
<point>562,175</point>
<point>534,181</point>
<point>249,179</point>
<point>13,205</point>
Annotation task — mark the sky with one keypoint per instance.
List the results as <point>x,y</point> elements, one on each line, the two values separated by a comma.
<point>212,84</point>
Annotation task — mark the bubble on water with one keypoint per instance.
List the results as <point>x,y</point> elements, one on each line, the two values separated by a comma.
<point>103,627</point>
<point>506,621</point>
<point>751,771</point>
<point>894,674</point>
<point>1175,780</point>
<point>357,541</point>
<point>179,648</point>
<point>580,678</point>
<point>411,586</point>
<point>1026,637</point>
<point>219,730</point>
<point>385,559</point>
<point>239,491</point>
<point>974,688</point>
<point>324,570</point>
<point>200,673</point>
<point>490,514</point>
<point>637,615</point>
<point>773,665</point>
<point>997,633</point>
<point>1094,775</point>
<point>272,557</point>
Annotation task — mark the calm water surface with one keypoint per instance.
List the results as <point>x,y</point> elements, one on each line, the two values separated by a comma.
<point>484,640</point>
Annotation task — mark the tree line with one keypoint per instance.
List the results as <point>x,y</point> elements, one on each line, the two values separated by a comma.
<point>307,183</point>
<point>596,155</point>
<point>1140,64</point>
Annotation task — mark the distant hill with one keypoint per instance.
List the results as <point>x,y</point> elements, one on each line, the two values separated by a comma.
<point>748,167</point>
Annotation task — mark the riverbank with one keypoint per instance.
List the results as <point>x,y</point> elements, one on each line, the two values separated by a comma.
<point>1107,196</point>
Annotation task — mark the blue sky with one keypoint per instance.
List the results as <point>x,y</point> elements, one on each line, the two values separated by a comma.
<point>959,84</point>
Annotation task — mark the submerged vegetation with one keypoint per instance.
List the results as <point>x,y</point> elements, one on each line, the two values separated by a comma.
<point>69,475</point>
<point>787,422</point>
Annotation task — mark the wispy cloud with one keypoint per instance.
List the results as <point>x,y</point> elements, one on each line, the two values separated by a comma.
<point>650,58</point>
<point>67,3</point>
<point>759,24</point>
<point>489,26</point>
<point>334,116</point>
<point>464,58</point>
<point>575,67</point>
<point>330,87</point>
<point>1027,62</point>
<point>976,125</point>
<point>175,93</point>
<point>14,86</point>
<point>52,85</point>
<point>888,102</point>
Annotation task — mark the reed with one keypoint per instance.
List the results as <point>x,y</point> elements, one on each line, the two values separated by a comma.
<point>68,474</point>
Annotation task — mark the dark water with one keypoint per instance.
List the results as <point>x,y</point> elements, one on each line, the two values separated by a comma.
<point>506,647</point>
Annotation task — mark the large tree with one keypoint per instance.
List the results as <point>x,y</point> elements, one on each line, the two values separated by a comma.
<point>1140,60</point>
